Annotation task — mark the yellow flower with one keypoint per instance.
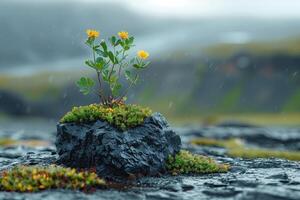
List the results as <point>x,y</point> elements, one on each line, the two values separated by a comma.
<point>143,54</point>
<point>110,110</point>
<point>92,33</point>
<point>123,35</point>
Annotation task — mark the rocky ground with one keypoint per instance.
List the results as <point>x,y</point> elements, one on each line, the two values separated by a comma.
<point>269,179</point>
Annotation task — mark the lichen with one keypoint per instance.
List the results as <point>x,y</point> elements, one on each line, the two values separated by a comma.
<point>236,148</point>
<point>187,163</point>
<point>120,115</point>
<point>36,178</point>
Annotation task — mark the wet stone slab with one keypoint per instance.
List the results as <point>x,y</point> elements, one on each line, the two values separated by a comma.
<point>268,179</point>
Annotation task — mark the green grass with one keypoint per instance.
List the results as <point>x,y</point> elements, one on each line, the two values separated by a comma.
<point>293,104</point>
<point>36,178</point>
<point>40,85</point>
<point>284,46</point>
<point>187,163</point>
<point>260,119</point>
<point>121,116</point>
<point>236,148</point>
<point>230,100</point>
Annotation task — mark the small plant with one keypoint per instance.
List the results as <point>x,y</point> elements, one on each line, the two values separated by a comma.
<point>110,60</point>
<point>187,163</point>
<point>35,178</point>
<point>120,115</point>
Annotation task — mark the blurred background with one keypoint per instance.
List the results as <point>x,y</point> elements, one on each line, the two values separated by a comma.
<point>213,61</point>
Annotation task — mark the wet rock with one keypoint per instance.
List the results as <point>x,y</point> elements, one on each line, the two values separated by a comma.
<point>227,192</point>
<point>172,187</point>
<point>279,176</point>
<point>236,124</point>
<point>187,187</point>
<point>10,155</point>
<point>140,150</point>
<point>248,179</point>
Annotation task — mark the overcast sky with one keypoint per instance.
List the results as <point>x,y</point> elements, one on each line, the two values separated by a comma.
<point>212,8</point>
<point>204,8</point>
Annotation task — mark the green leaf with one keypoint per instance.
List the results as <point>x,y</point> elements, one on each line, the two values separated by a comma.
<point>113,40</point>
<point>127,74</point>
<point>90,63</point>
<point>85,85</point>
<point>116,89</point>
<point>100,62</point>
<point>116,60</point>
<point>130,77</point>
<point>101,53</point>
<point>113,79</point>
<point>118,42</point>
<point>105,75</point>
<point>146,64</point>
<point>90,41</point>
<point>111,56</point>
<point>130,40</point>
<point>136,66</point>
<point>99,59</point>
<point>104,46</point>
<point>96,47</point>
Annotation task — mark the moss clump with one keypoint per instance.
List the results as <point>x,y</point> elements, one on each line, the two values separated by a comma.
<point>32,179</point>
<point>236,148</point>
<point>187,163</point>
<point>120,115</point>
<point>229,143</point>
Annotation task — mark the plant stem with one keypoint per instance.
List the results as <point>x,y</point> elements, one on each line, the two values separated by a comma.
<point>101,95</point>
<point>120,66</point>
<point>127,89</point>
<point>109,76</point>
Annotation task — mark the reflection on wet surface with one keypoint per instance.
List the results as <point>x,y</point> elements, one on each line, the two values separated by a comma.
<point>248,178</point>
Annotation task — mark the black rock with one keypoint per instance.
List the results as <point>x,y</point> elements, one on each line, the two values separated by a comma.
<point>142,150</point>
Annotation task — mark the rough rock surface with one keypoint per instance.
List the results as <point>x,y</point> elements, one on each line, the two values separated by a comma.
<point>140,150</point>
<point>263,179</point>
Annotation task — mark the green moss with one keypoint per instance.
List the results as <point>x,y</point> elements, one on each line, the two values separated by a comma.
<point>264,153</point>
<point>35,178</point>
<point>187,163</point>
<point>120,115</point>
<point>237,149</point>
<point>229,143</point>
<point>8,142</point>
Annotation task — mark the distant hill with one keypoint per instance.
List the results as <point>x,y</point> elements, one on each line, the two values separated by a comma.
<point>242,83</point>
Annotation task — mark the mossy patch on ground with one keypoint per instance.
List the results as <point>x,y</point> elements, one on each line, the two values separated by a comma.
<point>236,148</point>
<point>120,115</point>
<point>187,163</point>
<point>8,142</point>
<point>35,178</point>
